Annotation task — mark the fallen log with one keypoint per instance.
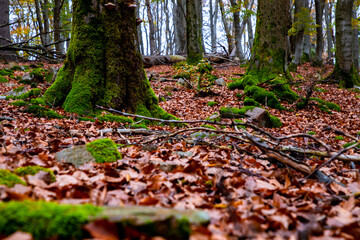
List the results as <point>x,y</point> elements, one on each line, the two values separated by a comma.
<point>150,61</point>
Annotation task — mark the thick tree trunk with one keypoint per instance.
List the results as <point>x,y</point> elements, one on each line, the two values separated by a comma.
<point>103,65</point>
<point>180,26</point>
<point>193,32</point>
<point>345,70</point>
<point>319,8</point>
<point>270,45</point>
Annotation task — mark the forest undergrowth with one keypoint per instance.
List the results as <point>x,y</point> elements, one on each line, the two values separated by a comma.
<point>227,171</point>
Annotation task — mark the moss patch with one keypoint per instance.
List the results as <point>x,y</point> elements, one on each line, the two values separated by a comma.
<point>40,111</point>
<point>228,112</point>
<point>103,150</point>
<point>212,103</point>
<point>251,102</point>
<point>114,118</point>
<point>6,72</point>
<point>45,220</point>
<point>264,97</point>
<point>3,79</point>
<point>32,93</point>
<point>32,170</point>
<point>19,103</point>
<point>275,121</point>
<point>9,179</point>
<point>37,75</point>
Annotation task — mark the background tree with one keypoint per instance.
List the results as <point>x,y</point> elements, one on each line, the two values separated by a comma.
<point>193,32</point>
<point>5,29</point>
<point>179,12</point>
<point>345,69</point>
<point>319,7</point>
<point>103,65</point>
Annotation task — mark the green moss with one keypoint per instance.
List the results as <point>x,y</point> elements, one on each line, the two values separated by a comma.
<point>53,114</point>
<point>275,121</point>
<point>37,110</point>
<point>114,118</point>
<point>3,79</point>
<point>325,105</point>
<point>228,112</point>
<point>32,93</point>
<point>9,179</point>
<point>5,72</point>
<point>38,101</point>
<point>86,119</point>
<point>19,103</point>
<point>19,89</point>
<point>339,138</point>
<point>251,102</point>
<point>45,220</point>
<point>212,103</point>
<point>32,170</point>
<point>282,90</point>
<point>311,133</point>
<point>135,126</point>
<point>209,126</point>
<point>264,97</point>
<point>37,74</point>
<point>16,68</point>
<point>350,144</point>
<point>103,150</point>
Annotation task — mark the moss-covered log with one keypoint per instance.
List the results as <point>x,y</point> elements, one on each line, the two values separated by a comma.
<point>103,66</point>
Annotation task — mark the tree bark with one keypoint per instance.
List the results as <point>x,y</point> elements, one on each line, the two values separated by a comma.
<point>227,28</point>
<point>238,31</point>
<point>193,32</point>
<point>345,70</point>
<point>151,28</point>
<point>319,9</point>
<point>299,37</point>
<point>5,37</point>
<point>307,43</point>
<point>270,45</point>
<point>329,30</point>
<point>180,26</point>
<point>103,65</point>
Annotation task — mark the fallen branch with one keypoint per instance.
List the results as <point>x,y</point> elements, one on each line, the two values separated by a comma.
<point>355,158</point>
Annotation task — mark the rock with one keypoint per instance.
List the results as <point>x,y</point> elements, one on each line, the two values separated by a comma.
<point>259,116</point>
<point>16,92</point>
<point>165,222</point>
<point>220,82</point>
<point>184,154</point>
<point>76,155</point>
<point>184,83</point>
<point>26,76</point>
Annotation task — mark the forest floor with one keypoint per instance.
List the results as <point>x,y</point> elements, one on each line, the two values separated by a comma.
<point>246,194</point>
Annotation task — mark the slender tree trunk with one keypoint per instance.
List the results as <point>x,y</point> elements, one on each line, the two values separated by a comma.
<point>213,20</point>
<point>59,46</point>
<point>139,43</point>
<point>180,26</point>
<point>249,5</point>
<point>103,65</point>
<point>307,42</point>
<point>193,32</point>
<point>329,31</point>
<point>151,28</point>
<point>356,40</point>
<point>227,28</point>
<point>299,37</point>
<point>238,31</point>
<point>319,8</point>
<point>39,20</point>
<point>345,70</point>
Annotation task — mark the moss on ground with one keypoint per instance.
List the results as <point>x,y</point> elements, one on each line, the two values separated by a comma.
<point>9,179</point>
<point>45,220</point>
<point>323,105</point>
<point>251,102</point>
<point>40,111</point>
<point>114,118</point>
<point>37,75</point>
<point>38,101</point>
<point>6,72</point>
<point>3,79</point>
<point>209,126</point>
<point>16,68</point>
<point>32,93</point>
<point>275,121</point>
<point>103,150</point>
<point>264,97</point>
<point>19,103</point>
<point>212,103</point>
<point>32,170</point>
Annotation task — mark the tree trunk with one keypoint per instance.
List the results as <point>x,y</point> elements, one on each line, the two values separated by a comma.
<point>59,46</point>
<point>249,5</point>
<point>345,70</point>
<point>238,31</point>
<point>193,32</point>
<point>227,28</point>
<point>319,9</point>
<point>329,30</point>
<point>5,38</point>
<point>213,20</point>
<point>270,45</point>
<point>139,43</point>
<point>103,65</point>
<point>307,43</point>
<point>356,40</point>
<point>180,26</point>
<point>299,37</point>
<point>151,27</point>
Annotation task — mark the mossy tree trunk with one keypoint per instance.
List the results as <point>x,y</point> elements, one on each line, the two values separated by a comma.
<point>193,32</point>
<point>103,66</point>
<point>271,44</point>
<point>345,70</point>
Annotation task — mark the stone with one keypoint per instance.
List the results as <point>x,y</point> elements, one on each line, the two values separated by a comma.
<point>220,82</point>
<point>259,116</point>
<point>16,93</point>
<point>26,76</point>
<point>77,155</point>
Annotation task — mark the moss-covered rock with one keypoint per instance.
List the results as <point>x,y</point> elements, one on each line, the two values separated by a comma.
<point>32,93</point>
<point>227,112</point>
<point>37,75</point>
<point>6,72</point>
<point>9,179</point>
<point>251,102</point>
<point>263,96</point>
<point>32,170</point>
<point>45,220</point>
<point>275,121</point>
<point>38,101</point>
<point>103,150</point>
<point>16,68</point>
